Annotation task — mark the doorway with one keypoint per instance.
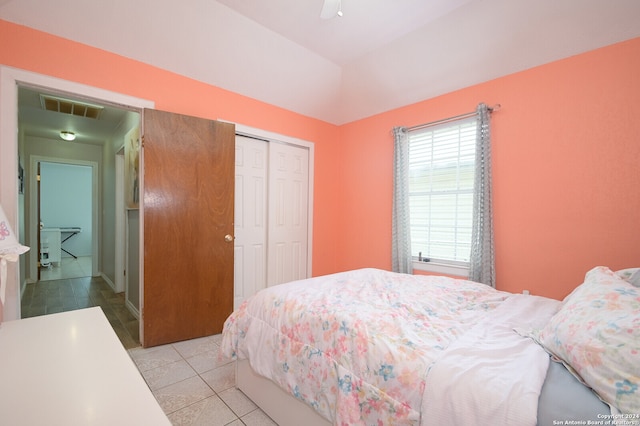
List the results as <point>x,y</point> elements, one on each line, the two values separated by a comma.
<point>99,129</point>
<point>66,220</point>
<point>17,204</point>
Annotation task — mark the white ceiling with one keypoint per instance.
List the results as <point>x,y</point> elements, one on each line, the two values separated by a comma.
<point>382,54</point>
<point>365,25</point>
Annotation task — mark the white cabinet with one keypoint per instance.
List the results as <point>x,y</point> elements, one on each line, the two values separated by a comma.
<point>50,242</point>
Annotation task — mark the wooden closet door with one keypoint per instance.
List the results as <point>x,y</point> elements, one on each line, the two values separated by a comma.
<point>188,202</point>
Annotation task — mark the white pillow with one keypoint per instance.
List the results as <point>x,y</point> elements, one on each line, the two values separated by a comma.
<point>597,334</point>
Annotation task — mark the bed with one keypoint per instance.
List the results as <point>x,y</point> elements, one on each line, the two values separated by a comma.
<point>375,347</point>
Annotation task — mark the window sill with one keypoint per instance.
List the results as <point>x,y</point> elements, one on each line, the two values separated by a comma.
<point>442,268</point>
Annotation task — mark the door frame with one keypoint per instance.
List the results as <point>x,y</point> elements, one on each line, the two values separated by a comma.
<point>120,221</point>
<point>10,79</point>
<point>34,206</point>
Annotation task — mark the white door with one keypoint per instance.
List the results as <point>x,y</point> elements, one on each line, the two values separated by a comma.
<point>271,215</point>
<point>250,256</point>
<point>288,212</point>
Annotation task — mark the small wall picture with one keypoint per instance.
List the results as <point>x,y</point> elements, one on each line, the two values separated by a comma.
<point>132,164</point>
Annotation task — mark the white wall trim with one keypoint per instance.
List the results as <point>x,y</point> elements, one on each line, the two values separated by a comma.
<point>120,220</point>
<point>134,311</point>
<point>95,209</point>
<point>108,281</point>
<point>441,268</point>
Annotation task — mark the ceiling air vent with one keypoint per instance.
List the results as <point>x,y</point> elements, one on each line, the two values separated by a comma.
<point>67,106</point>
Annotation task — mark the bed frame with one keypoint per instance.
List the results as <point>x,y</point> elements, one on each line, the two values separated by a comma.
<point>283,408</point>
<point>562,394</point>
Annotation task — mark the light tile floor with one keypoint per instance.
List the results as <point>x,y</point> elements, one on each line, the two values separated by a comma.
<point>68,268</point>
<point>194,387</point>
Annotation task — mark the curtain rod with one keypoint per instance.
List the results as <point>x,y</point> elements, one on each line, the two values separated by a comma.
<point>496,107</point>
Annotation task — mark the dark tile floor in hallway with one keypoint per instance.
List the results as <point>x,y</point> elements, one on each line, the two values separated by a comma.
<point>48,297</point>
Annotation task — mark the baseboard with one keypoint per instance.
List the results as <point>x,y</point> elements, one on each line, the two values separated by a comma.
<point>128,304</point>
<point>23,286</point>
<point>132,309</point>
<point>108,281</point>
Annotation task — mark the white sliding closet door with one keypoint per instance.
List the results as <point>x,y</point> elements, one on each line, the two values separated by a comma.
<point>271,215</point>
<point>250,255</point>
<point>288,213</point>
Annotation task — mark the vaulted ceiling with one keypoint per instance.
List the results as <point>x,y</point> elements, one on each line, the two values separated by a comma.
<point>380,55</point>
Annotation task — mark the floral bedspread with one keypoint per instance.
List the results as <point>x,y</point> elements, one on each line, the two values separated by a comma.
<point>356,346</point>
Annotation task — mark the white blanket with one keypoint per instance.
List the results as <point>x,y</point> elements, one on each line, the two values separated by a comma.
<point>491,375</point>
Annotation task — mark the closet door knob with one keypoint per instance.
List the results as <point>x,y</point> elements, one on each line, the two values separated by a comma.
<point>228,238</point>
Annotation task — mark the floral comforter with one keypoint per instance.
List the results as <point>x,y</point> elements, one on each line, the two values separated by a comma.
<point>357,346</point>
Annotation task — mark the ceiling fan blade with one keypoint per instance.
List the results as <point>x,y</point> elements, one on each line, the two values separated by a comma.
<point>330,9</point>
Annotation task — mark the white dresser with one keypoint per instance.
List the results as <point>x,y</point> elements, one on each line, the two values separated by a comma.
<point>71,369</point>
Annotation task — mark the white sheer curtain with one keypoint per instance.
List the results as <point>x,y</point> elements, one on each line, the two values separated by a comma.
<point>400,231</point>
<point>482,261</point>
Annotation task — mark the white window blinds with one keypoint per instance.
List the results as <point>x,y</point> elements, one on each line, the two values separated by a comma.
<point>441,174</point>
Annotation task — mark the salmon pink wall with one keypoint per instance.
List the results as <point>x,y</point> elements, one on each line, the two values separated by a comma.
<point>566,149</point>
<point>40,52</point>
<point>566,144</point>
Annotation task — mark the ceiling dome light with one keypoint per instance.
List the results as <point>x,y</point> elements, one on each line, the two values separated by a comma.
<point>67,136</point>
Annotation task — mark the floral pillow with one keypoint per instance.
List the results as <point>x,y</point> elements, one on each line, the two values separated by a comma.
<point>597,334</point>
<point>631,274</point>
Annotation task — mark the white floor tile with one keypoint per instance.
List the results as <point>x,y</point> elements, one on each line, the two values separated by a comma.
<point>189,348</point>
<point>208,412</point>
<point>258,418</point>
<point>168,374</point>
<point>148,359</point>
<point>182,394</point>
<point>206,361</point>
<point>196,387</point>
<point>68,268</point>
<point>237,401</point>
<point>221,378</point>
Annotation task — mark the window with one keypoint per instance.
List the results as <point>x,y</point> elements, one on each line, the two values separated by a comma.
<point>441,175</point>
